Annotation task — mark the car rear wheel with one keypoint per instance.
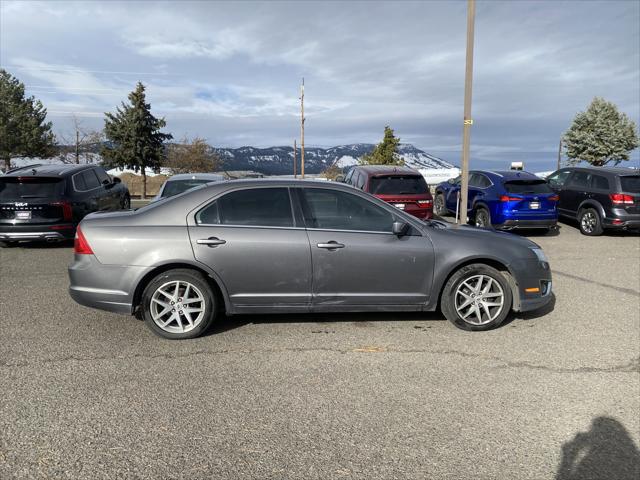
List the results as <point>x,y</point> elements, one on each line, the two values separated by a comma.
<point>482,218</point>
<point>590,223</point>
<point>476,297</point>
<point>438,205</point>
<point>126,203</point>
<point>178,304</point>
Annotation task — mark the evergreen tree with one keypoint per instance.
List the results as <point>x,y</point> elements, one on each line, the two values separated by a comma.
<point>600,135</point>
<point>386,152</point>
<point>134,139</point>
<point>23,130</point>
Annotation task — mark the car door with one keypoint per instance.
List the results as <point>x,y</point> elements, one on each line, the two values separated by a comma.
<point>92,190</point>
<point>575,192</point>
<point>558,181</point>
<point>453,191</point>
<point>356,259</point>
<point>110,191</point>
<point>249,238</point>
<point>476,182</point>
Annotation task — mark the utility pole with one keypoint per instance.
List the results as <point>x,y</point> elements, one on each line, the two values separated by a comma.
<point>302,129</point>
<point>295,159</point>
<point>559,153</point>
<point>468,121</point>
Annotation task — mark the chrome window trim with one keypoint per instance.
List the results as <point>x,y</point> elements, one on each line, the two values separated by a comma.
<point>224,225</point>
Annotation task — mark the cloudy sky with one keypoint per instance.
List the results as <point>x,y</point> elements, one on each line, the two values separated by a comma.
<point>230,72</point>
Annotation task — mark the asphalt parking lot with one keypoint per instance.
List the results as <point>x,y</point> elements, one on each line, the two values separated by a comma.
<point>89,394</point>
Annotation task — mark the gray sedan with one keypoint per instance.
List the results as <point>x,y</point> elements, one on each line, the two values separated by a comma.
<point>264,246</point>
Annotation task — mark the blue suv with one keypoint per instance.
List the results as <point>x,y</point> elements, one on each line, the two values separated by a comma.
<point>503,200</point>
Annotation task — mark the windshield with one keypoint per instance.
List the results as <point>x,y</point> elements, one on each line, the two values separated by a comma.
<point>175,187</point>
<point>398,185</point>
<point>20,188</point>
<point>527,186</point>
<point>630,183</point>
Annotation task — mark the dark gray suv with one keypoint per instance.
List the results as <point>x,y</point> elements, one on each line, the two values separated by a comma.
<point>263,246</point>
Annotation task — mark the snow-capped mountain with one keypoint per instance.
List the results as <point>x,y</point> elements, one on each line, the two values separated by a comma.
<point>279,160</point>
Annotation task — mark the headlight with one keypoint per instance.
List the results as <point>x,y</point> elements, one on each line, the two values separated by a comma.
<point>540,254</point>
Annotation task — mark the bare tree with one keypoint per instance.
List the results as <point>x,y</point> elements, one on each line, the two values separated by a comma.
<point>82,145</point>
<point>193,156</point>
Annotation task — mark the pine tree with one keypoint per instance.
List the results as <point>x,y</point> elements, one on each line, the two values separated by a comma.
<point>600,135</point>
<point>23,130</point>
<point>386,152</point>
<point>134,139</point>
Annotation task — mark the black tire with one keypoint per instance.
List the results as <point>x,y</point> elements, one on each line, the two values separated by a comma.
<point>202,287</point>
<point>589,222</point>
<point>469,272</point>
<point>126,203</point>
<point>482,218</point>
<point>7,244</point>
<point>439,207</point>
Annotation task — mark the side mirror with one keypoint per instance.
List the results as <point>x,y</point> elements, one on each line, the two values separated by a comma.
<point>106,182</point>
<point>399,228</point>
<point>116,180</point>
<point>340,178</point>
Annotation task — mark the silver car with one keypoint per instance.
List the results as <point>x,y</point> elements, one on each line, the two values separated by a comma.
<point>182,182</point>
<point>275,246</point>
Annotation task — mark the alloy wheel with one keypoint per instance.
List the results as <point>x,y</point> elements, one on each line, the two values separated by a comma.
<point>588,222</point>
<point>479,299</point>
<point>177,307</point>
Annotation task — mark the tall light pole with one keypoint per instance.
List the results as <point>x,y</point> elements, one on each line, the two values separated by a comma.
<point>468,121</point>
<point>302,129</point>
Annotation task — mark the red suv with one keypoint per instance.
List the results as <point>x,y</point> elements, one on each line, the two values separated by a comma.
<point>402,187</point>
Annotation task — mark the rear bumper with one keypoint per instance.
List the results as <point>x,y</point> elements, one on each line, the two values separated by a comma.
<point>625,222</point>
<point>29,233</point>
<point>105,287</point>
<point>514,223</point>
<point>422,213</point>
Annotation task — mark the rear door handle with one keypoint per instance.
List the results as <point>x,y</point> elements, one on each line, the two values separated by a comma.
<point>211,242</point>
<point>331,245</point>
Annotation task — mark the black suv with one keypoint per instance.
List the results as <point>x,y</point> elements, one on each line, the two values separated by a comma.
<point>46,202</point>
<point>598,197</point>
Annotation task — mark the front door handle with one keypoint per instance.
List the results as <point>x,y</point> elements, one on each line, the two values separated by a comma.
<point>331,245</point>
<point>211,241</point>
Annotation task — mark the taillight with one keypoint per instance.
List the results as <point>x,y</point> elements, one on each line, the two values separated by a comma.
<point>80,244</point>
<point>554,198</point>
<point>621,199</point>
<point>425,203</point>
<point>67,211</point>
<point>507,198</point>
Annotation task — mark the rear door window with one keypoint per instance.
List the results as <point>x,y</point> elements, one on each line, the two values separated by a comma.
<point>398,185</point>
<point>558,179</point>
<point>579,180</point>
<point>527,186</point>
<point>85,181</point>
<point>336,210</point>
<point>19,188</point>
<point>259,207</point>
<point>630,183</point>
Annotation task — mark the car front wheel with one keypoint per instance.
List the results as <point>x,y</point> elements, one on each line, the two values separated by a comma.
<point>438,205</point>
<point>476,297</point>
<point>178,304</point>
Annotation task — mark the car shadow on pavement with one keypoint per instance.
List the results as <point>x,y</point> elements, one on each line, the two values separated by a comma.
<point>323,320</point>
<point>40,245</point>
<point>605,451</point>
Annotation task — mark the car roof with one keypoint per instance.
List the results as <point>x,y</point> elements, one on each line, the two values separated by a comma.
<point>507,175</point>
<point>196,176</point>
<point>610,170</point>
<point>387,170</point>
<point>47,170</point>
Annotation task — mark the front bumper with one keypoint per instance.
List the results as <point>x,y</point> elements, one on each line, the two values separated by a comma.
<point>31,233</point>
<point>529,276</point>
